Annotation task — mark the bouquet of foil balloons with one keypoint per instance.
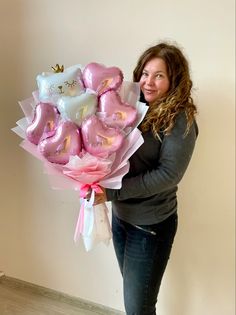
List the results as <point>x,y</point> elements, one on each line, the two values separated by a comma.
<point>81,123</point>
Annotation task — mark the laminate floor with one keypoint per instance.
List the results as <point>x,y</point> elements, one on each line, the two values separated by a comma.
<point>21,301</point>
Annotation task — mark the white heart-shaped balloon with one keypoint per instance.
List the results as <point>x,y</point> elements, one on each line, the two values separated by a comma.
<point>77,108</point>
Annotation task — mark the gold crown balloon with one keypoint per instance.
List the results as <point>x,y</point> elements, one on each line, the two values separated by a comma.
<point>58,68</point>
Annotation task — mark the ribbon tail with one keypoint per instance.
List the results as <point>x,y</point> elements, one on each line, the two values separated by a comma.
<point>80,223</point>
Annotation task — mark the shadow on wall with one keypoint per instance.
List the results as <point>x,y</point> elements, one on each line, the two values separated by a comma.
<point>201,266</point>
<point>13,88</point>
<point>13,82</point>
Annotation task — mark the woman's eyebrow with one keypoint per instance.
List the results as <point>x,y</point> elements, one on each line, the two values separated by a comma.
<point>158,71</point>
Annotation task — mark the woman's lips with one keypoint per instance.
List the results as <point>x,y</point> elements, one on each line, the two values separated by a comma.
<point>149,91</point>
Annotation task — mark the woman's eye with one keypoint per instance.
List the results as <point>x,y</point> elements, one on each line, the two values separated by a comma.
<point>70,84</point>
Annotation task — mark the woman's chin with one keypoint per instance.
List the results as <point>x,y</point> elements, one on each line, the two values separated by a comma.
<point>149,98</point>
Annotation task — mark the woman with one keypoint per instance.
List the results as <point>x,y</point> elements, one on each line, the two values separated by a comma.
<point>144,219</point>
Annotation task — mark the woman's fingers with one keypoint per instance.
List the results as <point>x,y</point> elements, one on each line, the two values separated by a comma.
<point>99,198</point>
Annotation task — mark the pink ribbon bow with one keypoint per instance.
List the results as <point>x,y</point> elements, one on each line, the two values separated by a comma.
<point>84,189</point>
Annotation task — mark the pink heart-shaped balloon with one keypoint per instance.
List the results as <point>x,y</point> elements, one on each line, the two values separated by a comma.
<point>98,139</point>
<point>65,142</point>
<point>44,123</point>
<point>118,114</point>
<point>100,79</point>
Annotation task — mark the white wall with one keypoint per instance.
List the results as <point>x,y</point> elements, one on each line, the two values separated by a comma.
<point>37,223</point>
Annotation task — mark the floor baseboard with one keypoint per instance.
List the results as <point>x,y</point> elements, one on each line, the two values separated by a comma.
<point>59,296</point>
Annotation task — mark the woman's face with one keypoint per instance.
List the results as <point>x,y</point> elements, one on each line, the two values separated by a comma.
<point>154,82</point>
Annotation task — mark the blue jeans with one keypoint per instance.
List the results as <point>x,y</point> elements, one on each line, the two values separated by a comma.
<point>142,252</point>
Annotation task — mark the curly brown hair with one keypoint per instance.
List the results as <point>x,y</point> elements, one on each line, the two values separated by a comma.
<point>162,113</point>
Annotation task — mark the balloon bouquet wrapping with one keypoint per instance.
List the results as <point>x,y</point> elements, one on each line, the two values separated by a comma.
<point>82,124</point>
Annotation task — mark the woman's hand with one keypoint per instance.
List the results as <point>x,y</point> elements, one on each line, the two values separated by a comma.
<point>99,197</point>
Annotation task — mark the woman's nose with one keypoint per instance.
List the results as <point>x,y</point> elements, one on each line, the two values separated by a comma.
<point>149,80</point>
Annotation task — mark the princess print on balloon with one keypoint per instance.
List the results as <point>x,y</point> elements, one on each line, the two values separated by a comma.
<point>82,124</point>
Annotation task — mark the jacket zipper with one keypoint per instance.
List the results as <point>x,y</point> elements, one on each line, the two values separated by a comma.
<point>140,228</point>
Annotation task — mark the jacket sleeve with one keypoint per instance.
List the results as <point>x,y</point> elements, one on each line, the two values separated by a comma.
<point>175,154</point>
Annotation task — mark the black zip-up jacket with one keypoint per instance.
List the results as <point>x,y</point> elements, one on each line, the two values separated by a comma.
<point>148,192</point>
